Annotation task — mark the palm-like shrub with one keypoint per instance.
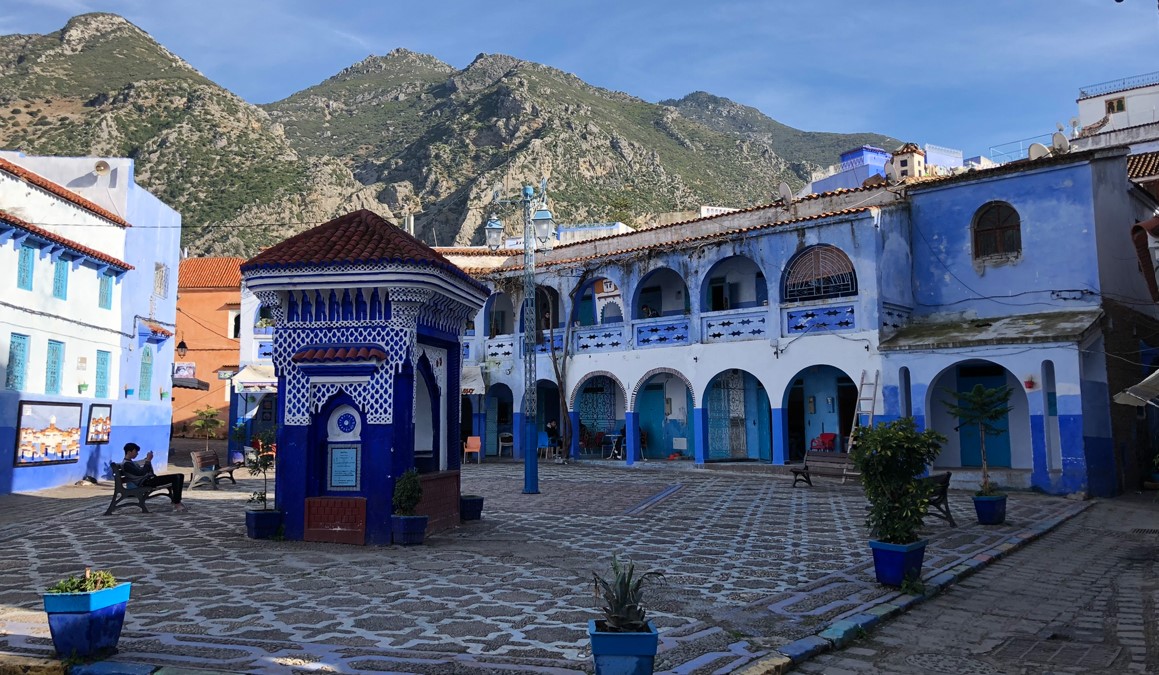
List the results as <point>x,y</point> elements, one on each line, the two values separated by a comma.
<point>983,407</point>
<point>623,598</point>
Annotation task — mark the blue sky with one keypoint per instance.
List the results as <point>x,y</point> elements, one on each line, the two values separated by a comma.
<point>966,74</point>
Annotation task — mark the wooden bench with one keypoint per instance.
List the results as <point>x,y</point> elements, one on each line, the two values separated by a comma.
<point>123,493</point>
<point>823,463</point>
<point>207,469</point>
<point>939,484</point>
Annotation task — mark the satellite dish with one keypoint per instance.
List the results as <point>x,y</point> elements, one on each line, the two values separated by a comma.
<point>1059,143</point>
<point>786,194</point>
<point>890,172</point>
<point>1037,151</point>
<point>102,168</point>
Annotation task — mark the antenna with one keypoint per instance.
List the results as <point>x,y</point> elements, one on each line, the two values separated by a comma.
<point>1037,151</point>
<point>101,168</point>
<point>786,194</point>
<point>1059,143</point>
<point>1059,126</point>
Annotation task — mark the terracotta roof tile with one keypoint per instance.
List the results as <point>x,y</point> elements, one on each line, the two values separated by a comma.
<point>210,273</point>
<point>1143,165</point>
<point>347,353</point>
<point>359,237</point>
<point>52,236</point>
<point>61,191</point>
<point>158,329</point>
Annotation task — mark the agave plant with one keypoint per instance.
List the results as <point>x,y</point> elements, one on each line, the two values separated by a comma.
<point>623,598</point>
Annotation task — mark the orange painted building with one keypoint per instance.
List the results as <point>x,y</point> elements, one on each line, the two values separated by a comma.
<point>208,306</point>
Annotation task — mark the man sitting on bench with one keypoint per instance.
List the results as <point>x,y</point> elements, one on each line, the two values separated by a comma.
<point>142,474</point>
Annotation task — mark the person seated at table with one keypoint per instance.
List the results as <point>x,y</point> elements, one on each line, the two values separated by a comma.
<point>142,474</point>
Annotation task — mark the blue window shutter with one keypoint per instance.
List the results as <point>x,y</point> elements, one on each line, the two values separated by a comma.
<point>54,367</point>
<point>17,362</point>
<point>102,374</point>
<point>146,373</point>
<point>24,268</point>
<point>106,296</point>
<point>60,279</point>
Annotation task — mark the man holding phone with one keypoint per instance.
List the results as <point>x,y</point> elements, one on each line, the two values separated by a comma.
<point>142,474</point>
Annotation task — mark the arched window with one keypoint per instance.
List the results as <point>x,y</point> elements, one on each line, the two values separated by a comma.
<point>997,231</point>
<point>819,272</point>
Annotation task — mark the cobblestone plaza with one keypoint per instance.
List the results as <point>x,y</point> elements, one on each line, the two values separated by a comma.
<point>750,563</point>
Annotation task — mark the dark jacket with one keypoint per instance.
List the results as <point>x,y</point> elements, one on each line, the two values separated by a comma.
<point>137,472</point>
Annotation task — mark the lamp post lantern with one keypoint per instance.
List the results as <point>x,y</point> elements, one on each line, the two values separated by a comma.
<point>538,226</point>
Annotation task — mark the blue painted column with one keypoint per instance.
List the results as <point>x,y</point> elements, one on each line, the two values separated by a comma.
<point>531,459</point>
<point>632,440</point>
<point>780,436</point>
<point>479,424</point>
<point>574,450</point>
<point>517,432</point>
<point>700,431</point>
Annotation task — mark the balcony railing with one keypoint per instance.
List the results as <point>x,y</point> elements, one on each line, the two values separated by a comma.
<point>500,347</point>
<point>732,325</point>
<point>604,338</point>
<point>818,319</point>
<point>1122,84</point>
<point>663,331</point>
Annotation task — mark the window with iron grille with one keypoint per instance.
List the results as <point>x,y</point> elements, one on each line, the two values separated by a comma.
<point>146,373</point>
<point>997,231</point>
<point>54,367</point>
<point>105,301</point>
<point>60,279</point>
<point>103,358</point>
<point>161,280</point>
<point>24,267</point>
<point>17,362</point>
<point>817,273</point>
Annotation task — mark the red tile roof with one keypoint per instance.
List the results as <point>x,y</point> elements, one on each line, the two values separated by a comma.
<point>158,329</point>
<point>359,237</point>
<point>52,236</point>
<point>1143,165</point>
<point>210,273</point>
<point>332,354</point>
<point>61,191</point>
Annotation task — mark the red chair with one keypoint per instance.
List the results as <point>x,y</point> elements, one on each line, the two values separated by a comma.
<point>825,442</point>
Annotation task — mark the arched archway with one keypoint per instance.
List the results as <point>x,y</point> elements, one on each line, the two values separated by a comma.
<point>662,292</point>
<point>600,402</point>
<point>500,419</point>
<point>819,399</point>
<point>1011,448</point>
<point>663,401</point>
<point>499,315</point>
<point>429,443</point>
<point>739,417</point>
<point>817,273</point>
<point>598,302</point>
<point>733,283</point>
<point>547,309</point>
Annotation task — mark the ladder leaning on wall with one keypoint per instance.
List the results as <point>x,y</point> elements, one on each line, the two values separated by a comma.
<point>866,402</point>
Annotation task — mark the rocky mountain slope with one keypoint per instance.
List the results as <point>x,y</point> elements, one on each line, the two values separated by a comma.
<point>402,133</point>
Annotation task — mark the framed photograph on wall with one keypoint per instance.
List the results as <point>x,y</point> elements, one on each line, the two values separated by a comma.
<point>100,423</point>
<point>47,433</point>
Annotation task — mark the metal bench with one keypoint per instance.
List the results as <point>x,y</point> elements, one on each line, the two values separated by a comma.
<point>207,469</point>
<point>823,463</point>
<point>939,504</point>
<point>123,493</point>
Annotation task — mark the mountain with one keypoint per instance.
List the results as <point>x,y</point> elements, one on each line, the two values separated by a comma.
<point>401,133</point>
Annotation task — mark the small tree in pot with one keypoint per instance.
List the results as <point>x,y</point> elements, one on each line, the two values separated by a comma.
<point>407,528</point>
<point>985,408</point>
<point>623,641</point>
<point>890,456</point>
<point>262,523</point>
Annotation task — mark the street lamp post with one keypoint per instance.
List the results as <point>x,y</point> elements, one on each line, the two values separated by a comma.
<point>538,226</point>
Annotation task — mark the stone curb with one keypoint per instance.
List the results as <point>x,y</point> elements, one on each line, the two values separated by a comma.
<point>123,668</point>
<point>27,665</point>
<point>843,631</point>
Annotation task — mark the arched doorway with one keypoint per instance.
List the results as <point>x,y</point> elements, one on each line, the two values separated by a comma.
<point>739,418</point>
<point>500,406</point>
<point>599,402</point>
<point>1008,449</point>
<point>663,408</point>
<point>733,283</point>
<point>598,302</point>
<point>499,315</point>
<point>662,292</point>
<point>819,400</point>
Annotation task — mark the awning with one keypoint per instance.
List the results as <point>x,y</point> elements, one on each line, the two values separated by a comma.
<point>190,383</point>
<point>1052,327</point>
<point>471,380</point>
<point>255,379</point>
<point>1141,394</point>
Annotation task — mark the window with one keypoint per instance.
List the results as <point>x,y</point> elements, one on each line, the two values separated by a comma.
<point>997,231</point>
<point>60,279</point>
<point>146,373</point>
<point>105,299</point>
<point>102,390</point>
<point>54,367</point>
<point>905,162</point>
<point>819,272</point>
<point>17,361</point>
<point>161,280</point>
<point>25,266</point>
<point>1116,105</point>
<point>233,329</point>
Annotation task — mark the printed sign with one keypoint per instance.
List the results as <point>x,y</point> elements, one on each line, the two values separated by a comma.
<point>344,467</point>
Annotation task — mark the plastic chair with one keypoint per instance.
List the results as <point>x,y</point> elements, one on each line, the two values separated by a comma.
<point>473,444</point>
<point>825,442</point>
<point>507,439</point>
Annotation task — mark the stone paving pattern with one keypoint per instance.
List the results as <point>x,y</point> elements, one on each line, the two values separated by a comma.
<point>1084,599</point>
<point>751,563</point>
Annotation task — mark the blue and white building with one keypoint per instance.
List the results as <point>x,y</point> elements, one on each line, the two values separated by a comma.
<point>88,290</point>
<point>749,336</point>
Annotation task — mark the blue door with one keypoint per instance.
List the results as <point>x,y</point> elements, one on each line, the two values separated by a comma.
<point>997,446</point>
<point>650,414</point>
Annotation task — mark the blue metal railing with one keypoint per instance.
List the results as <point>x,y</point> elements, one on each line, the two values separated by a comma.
<point>1119,85</point>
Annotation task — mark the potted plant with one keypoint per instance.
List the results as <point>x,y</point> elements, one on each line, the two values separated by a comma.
<point>623,641</point>
<point>85,614</point>
<point>264,326</point>
<point>984,407</point>
<point>890,456</point>
<point>406,528</point>
<point>262,523</point>
<point>470,507</point>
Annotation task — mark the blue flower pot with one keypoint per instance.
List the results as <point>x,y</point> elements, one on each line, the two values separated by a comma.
<point>408,530</point>
<point>623,653</point>
<point>262,524</point>
<point>1155,476</point>
<point>894,562</point>
<point>470,507</point>
<point>84,625</point>
<point>991,510</point>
